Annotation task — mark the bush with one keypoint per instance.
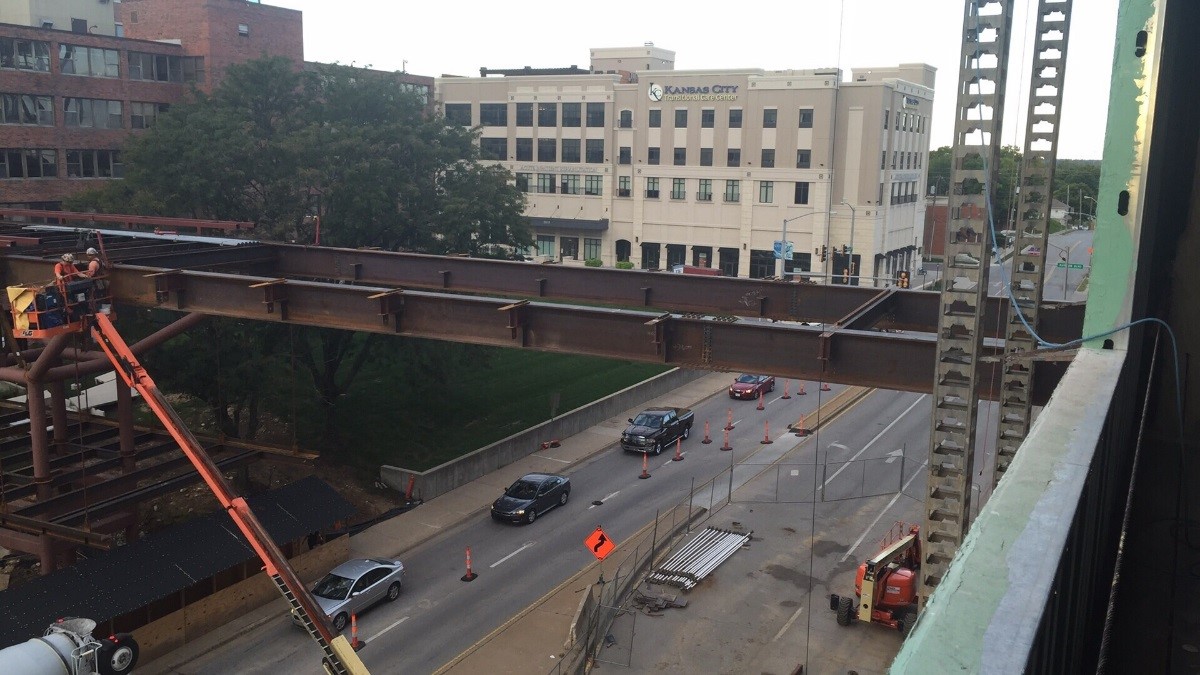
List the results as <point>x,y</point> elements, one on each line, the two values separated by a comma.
<point>624,265</point>
<point>594,262</point>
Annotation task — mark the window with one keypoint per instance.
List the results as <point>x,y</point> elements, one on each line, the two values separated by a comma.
<point>458,114</point>
<point>570,150</point>
<point>650,255</point>
<point>705,192</point>
<point>733,157</point>
<point>164,68</point>
<point>803,159</point>
<point>524,149</point>
<point>547,150</point>
<point>592,185</point>
<point>626,119</point>
<point>28,163</point>
<point>92,113</point>
<point>144,115</point>
<point>707,117</point>
<point>569,248</point>
<point>545,245</point>
<point>651,188</point>
<point>702,256</point>
<point>678,188</point>
<point>652,155</point>
<point>27,109</point>
<point>886,116</point>
<point>595,114</point>
<point>523,181</point>
<point>625,155</point>
<point>680,156</point>
<point>545,184</point>
<point>768,158</point>
<point>90,61</point>
<point>493,148</point>
<point>570,114</point>
<point>547,114</point>
<point>595,151</point>
<point>770,117</point>
<point>801,193</point>
<point>733,191</point>
<point>524,114</point>
<point>883,160</point>
<point>681,118</point>
<point>735,118</point>
<point>806,118</point>
<point>94,164</point>
<point>624,186</point>
<point>24,54</point>
<point>762,264</point>
<point>591,249</point>
<point>243,30</point>
<point>766,191</point>
<point>493,114</point>
<point>570,183</point>
<point>655,118</point>
<point>706,156</point>
<point>676,255</point>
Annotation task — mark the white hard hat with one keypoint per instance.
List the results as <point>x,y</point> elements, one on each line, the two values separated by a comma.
<point>67,257</point>
<point>92,251</point>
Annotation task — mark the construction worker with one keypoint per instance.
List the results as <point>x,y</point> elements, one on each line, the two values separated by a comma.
<point>93,268</point>
<point>65,269</point>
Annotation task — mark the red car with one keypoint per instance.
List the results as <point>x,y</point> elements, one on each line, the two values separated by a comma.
<point>750,386</point>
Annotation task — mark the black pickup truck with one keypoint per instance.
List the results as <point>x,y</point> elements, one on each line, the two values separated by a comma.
<point>656,428</point>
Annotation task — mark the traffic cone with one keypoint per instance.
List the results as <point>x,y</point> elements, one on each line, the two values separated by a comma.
<point>801,430</point>
<point>729,420</point>
<point>354,643</point>
<point>726,446</point>
<point>678,451</point>
<point>760,396</point>
<point>645,465</point>
<point>801,391</point>
<point>470,575</point>
<point>825,386</point>
<point>786,384</point>
<point>706,440</point>
<point>766,434</point>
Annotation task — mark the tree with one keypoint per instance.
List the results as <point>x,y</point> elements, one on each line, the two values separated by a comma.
<point>1003,193</point>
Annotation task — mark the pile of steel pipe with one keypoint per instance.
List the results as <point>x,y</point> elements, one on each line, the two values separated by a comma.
<point>698,558</point>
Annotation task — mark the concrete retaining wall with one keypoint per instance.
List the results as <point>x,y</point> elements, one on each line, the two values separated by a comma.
<point>444,478</point>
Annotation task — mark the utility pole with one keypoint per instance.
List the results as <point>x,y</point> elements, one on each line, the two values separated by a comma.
<point>850,260</point>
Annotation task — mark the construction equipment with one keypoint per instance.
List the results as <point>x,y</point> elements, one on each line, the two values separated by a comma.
<point>68,648</point>
<point>886,585</point>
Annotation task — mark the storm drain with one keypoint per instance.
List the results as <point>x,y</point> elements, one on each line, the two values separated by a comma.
<point>700,556</point>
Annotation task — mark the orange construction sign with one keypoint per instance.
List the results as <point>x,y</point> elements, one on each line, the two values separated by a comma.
<point>599,544</point>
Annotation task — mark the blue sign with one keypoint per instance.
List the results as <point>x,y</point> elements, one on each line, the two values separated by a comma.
<point>784,250</point>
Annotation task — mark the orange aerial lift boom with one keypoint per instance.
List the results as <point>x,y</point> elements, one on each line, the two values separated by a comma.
<point>885,585</point>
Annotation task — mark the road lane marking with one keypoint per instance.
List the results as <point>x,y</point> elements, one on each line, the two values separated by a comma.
<point>527,545</point>
<point>554,459</point>
<point>890,504</point>
<point>788,624</point>
<point>606,498</point>
<point>894,455</point>
<point>397,623</point>
<point>837,445</point>
<point>872,441</point>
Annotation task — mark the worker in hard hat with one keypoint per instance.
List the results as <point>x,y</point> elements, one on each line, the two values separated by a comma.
<point>65,269</point>
<point>93,267</point>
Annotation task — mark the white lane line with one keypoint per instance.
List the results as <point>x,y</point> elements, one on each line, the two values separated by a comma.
<point>527,545</point>
<point>554,459</point>
<point>839,446</point>
<point>890,504</point>
<point>397,623</point>
<point>877,437</point>
<point>606,499</point>
<point>788,624</point>
<point>894,455</point>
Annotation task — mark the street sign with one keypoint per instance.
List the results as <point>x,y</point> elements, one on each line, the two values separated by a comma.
<point>599,544</point>
<point>784,250</point>
<point>1073,266</point>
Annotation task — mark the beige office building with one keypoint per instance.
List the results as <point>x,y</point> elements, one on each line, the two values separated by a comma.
<point>635,161</point>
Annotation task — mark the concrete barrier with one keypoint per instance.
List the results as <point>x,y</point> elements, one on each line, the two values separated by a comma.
<point>457,472</point>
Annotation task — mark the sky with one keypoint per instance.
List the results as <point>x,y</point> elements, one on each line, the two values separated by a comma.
<point>431,38</point>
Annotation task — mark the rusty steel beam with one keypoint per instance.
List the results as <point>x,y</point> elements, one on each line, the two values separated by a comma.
<point>74,535</point>
<point>128,221</point>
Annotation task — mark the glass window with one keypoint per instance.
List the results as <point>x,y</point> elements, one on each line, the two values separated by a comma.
<point>94,164</point>
<point>545,184</point>
<point>624,186</point>
<point>886,115</point>
<point>92,113</point>
<point>24,54</point>
<point>806,118</point>
<point>547,114</point>
<point>707,117</point>
<point>90,61</point>
<point>770,116</point>
<point>768,158</point>
<point>592,185</point>
<point>165,68</point>
<point>524,114</point>
<point>733,157</point>
<point>28,163</point>
<point>735,118</point>
<point>547,150</point>
<point>801,193</point>
<point>651,188</point>
<point>733,191</point>
<point>595,114</point>
<point>681,118</point>
<point>803,159</point>
<point>458,114</point>
<point>762,264</point>
<point>570,114</point>
<point>652,155</point>
<point>766,191</point>
<point>144,115</point>
<point>680,156</point>
<point>706,156</point>
<point>545,245</point>
<point>493,148</point>
<point>626,119</point>
<point>625,155</point>
<point>655,118</point>
<point>570,150</point>
<point>27,109</point>
<point>523,181</point>
<point>591,249</point>
<point>595,151</point>
<point>570,183</point>
<point>524,149</point>
<point>569,246</point>
<point>678,188</point>
<point>493,114</point>
<point>704,194</point>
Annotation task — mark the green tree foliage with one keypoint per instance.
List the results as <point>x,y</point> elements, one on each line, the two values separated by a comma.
<point>1003,193</point>
<point>1080,180</point>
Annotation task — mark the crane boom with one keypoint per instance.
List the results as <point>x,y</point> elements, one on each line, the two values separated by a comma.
<point>339,657</point>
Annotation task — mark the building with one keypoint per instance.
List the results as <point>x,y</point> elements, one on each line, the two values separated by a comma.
<point>635,161</point>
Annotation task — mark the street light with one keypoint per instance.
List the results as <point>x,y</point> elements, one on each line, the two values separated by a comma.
<point>779,264</point>
<point>1094,209</point>
<point>853,213</point>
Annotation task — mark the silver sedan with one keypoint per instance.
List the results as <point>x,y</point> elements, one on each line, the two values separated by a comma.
<point>356,585</point>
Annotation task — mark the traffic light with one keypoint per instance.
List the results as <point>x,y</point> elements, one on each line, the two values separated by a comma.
<point>822,252</point>
<point>845,249</point>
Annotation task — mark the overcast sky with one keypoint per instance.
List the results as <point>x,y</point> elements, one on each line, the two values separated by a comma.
<point>436,38</point>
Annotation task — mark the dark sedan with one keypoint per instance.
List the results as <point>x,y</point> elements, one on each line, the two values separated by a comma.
<point>750,386</point>
<point>532,495</point>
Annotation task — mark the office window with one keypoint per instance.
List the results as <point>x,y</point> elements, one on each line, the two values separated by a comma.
<point>592,185</point>
<point>625,155</point>
<point>681,118</point>
<point>883,160</point>
<point>655,118</point>
<point>704,194</point>
<point>768,158</point>
<point>92,113</point>
<point>733,157</point>
<point>595,151</point>
<point>523,181</point>
<point>547,150</point>
<point>707,117</point>
<point>143,115</point>
<point>21,54</point>
<point>545,183</point>
<point>680,156</point>
<point>547,114</point>
<point>493,114</point>
<point>493,148</point>
<point>806,118</point>
<point>524,149</point>
<point>164,68</point>
<point>89,61</point>
<point>652,155</point>
<point>570,183</point>
<point>524,114</point>
<point>702,256</point>
<point>28,163</point>
<point>595,114</point>
<point>570,149</point>
<point>735,118</point>
<point>591,249</point>
<point>458,114</point>
<point>651,188</point>
<point>770,117</point>
<point>766,191</point>
<point>801,193</point>
<point>733,191</point>
<point>678,188</point>
<point>706,156</point>
<point>570,114</point>
<point>886,116</point>
<point>625,121</point>
<point>27,109</point>
<point>624,186</point>
<point>545,245</point>
<point>762,264</point>
<point>94,164</point>
<point>803,159</point>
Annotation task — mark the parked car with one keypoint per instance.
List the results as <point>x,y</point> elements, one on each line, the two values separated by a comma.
<point>750,386</point>
<point>654,428</point>
<point>354,586</point>
<point>532,495</point>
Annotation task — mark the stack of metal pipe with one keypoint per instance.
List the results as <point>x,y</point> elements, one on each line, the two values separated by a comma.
<point>698,557</point>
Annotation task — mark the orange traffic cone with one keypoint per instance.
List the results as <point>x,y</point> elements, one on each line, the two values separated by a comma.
<point>645,465</point>
<point>760,405</point>
<point>726,447</point>
<point>706,440</point>
<point>786,384</point>
<point>678,452</point>
<point>766,434</point>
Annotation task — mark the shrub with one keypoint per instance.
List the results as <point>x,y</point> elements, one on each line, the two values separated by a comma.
<point>594,262</point>
<point>624,264</point>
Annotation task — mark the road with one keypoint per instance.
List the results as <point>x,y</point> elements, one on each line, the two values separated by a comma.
<point>1059,283</point>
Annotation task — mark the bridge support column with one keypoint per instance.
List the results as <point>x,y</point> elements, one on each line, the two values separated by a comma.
<point>125,425</point>
<point>39,440</point>
<point>58,415</point>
